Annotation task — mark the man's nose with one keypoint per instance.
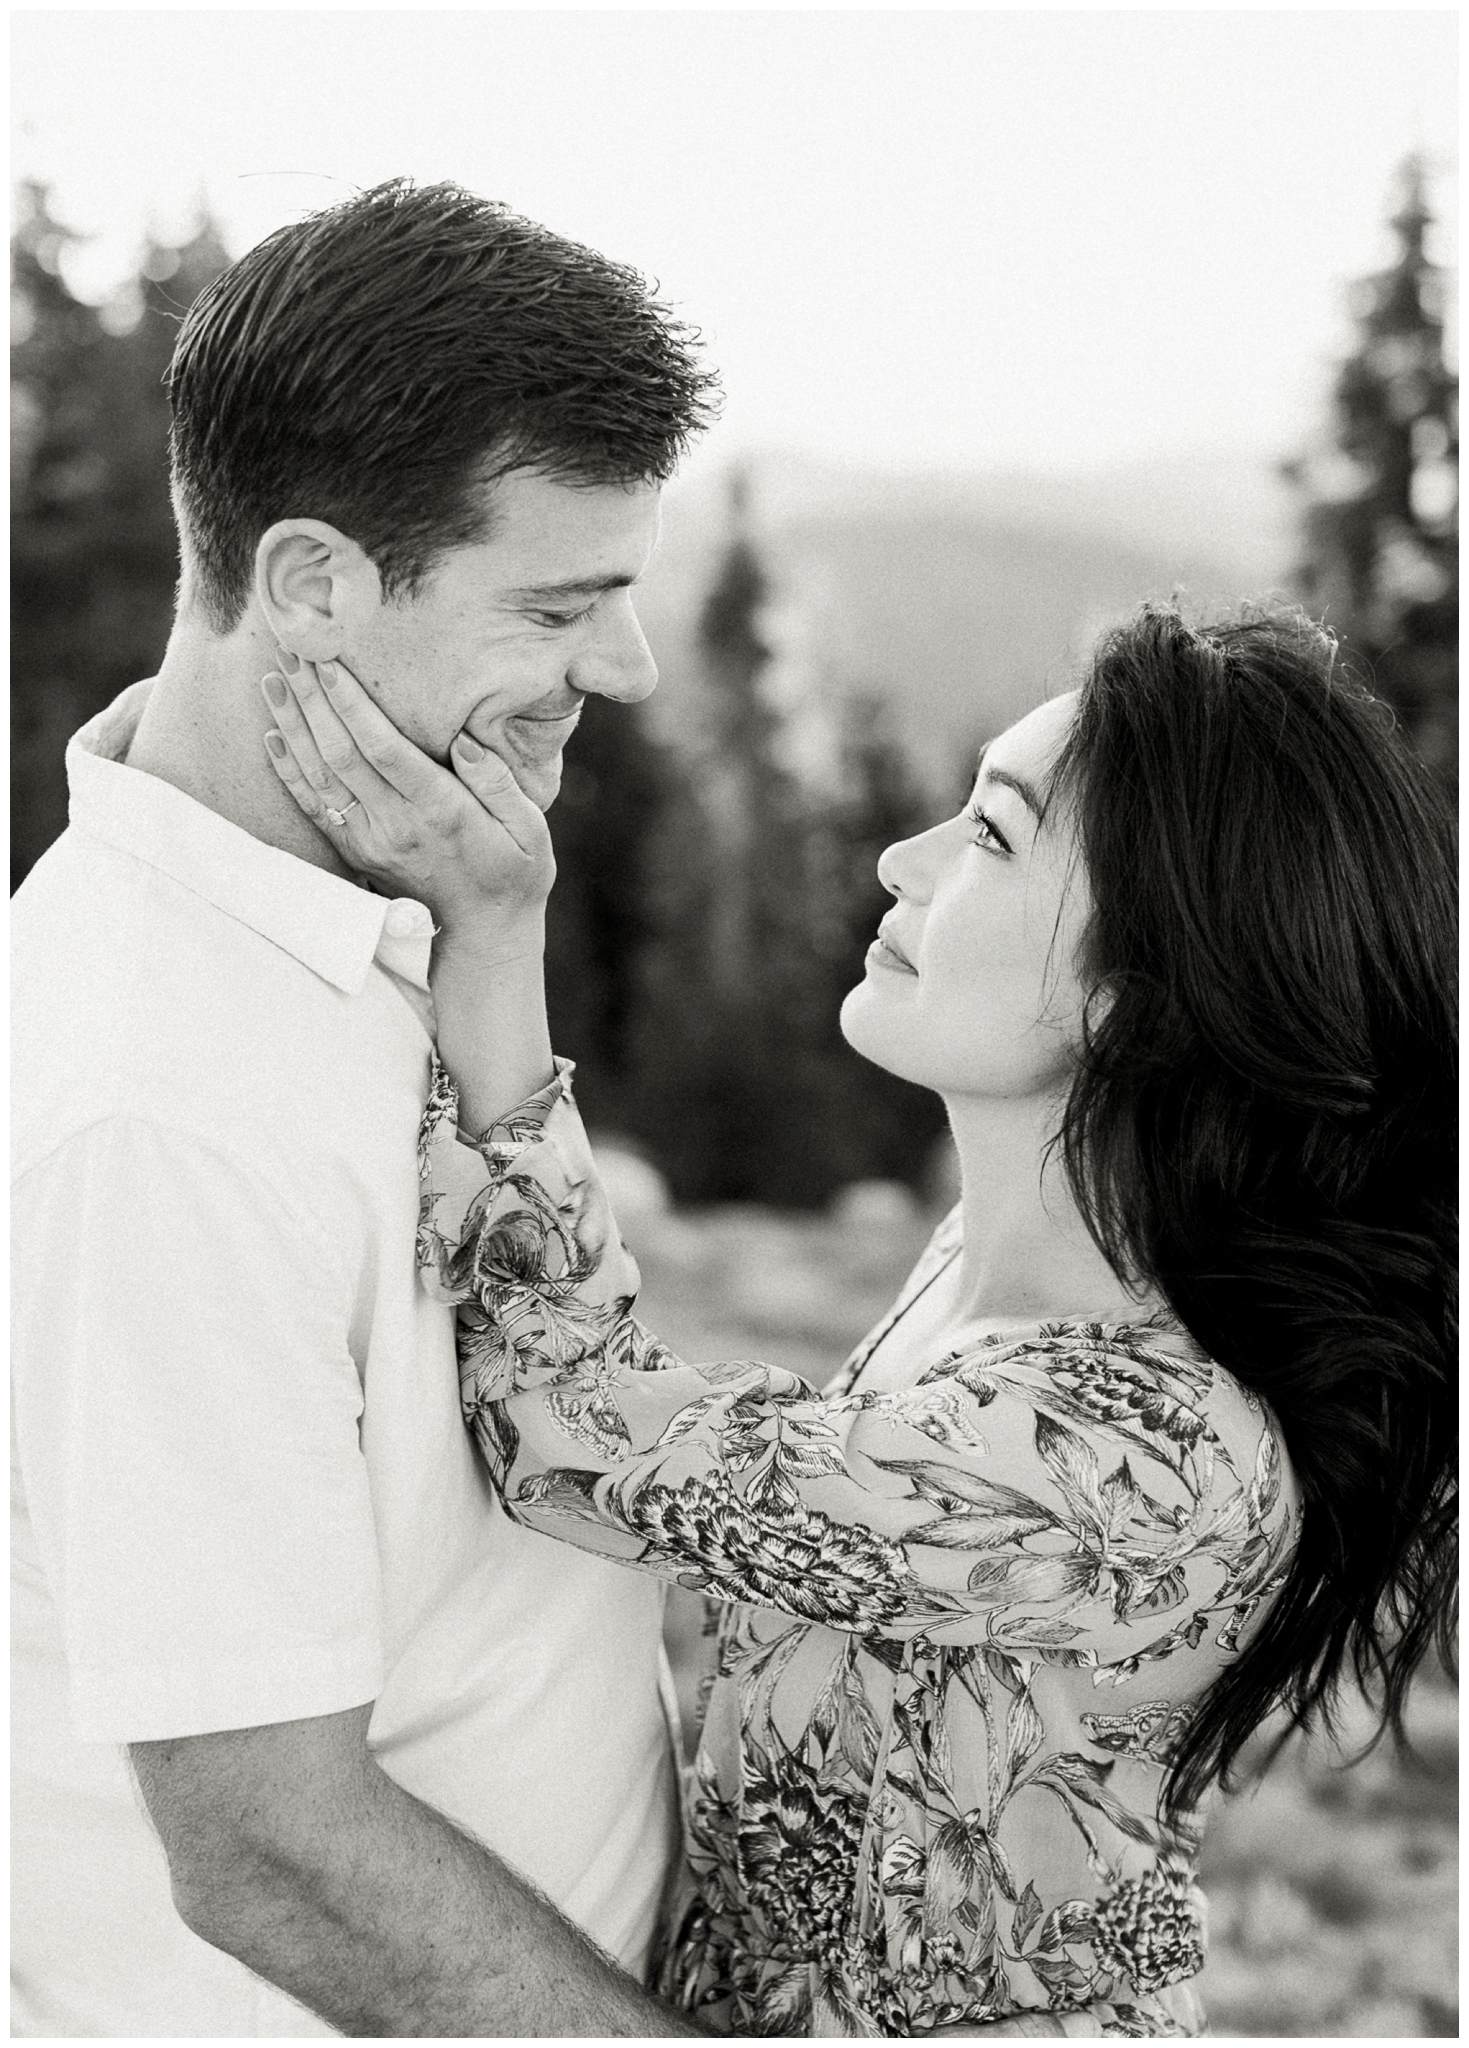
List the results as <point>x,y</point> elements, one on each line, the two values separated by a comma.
<point>618,662</point>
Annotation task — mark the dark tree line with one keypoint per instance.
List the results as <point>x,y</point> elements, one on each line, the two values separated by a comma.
<point>93,561</point>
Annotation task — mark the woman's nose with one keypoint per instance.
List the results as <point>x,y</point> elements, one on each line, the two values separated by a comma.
<point>905,869</point>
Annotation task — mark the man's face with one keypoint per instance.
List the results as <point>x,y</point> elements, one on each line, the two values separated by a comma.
<point>510,635</point>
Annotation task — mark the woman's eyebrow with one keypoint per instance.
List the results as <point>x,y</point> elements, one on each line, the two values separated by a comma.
<point>1018,783</point>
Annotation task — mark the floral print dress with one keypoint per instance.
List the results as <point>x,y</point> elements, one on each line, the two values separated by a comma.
<point>965,1622</point>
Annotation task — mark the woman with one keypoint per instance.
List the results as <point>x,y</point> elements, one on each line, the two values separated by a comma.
<point>1158,1436</point>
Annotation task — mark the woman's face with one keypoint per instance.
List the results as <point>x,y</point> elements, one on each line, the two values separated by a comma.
<point>971,988</point>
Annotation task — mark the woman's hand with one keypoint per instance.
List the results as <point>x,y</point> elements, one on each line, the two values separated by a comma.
<point>471,845</point>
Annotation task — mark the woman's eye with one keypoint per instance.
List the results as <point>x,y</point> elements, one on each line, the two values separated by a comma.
<point>987,832</point>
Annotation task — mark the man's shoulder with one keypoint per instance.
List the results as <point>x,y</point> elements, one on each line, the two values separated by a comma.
<point>73,961</point>
<point>85,914</point>
<point>98,960</point>
<point>133,998</point>
<point>58,878</point>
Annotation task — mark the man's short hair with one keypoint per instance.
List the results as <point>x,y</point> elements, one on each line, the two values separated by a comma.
<point>380,362</point>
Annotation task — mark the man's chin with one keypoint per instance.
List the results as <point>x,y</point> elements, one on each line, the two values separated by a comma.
<point>539,780</point>
<point>532,749</point>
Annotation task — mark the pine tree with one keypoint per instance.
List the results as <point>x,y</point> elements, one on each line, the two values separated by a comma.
<point>93,552</point>
<point>1381,526</point>
<point>723,1100</point>
<point>615,789</point>
<point>766,899</point>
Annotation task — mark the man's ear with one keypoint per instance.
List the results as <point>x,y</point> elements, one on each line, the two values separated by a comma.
<point>313,586</point>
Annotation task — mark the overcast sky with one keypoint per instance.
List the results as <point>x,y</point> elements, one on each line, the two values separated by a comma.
<point>962,239</point>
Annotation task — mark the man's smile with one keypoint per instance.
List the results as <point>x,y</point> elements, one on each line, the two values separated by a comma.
<point>537,736</point>
<point>567,718</point>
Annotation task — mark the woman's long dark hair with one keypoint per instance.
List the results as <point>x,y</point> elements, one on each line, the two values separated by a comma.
<point>1262,1124</point>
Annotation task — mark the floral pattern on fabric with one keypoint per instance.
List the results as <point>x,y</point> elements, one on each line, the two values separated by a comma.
<point>966,1621</point>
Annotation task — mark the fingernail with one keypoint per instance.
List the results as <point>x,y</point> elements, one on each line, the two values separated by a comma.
<point>276,745</point>
<point>289,662</point>
<point>327,670</point>
<point>468,749</point>
<point>275,691</point>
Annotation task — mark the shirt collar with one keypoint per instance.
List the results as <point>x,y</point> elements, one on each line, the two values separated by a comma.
<point>328,924</point>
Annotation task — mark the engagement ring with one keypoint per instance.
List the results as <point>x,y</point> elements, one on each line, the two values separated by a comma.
<point>340,817</point>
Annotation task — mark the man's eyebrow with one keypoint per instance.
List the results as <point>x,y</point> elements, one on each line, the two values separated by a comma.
<point>576,586</point>
<point>1021,787</point>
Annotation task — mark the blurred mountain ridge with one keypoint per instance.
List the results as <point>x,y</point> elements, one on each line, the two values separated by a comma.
<point>1227,508</point>
<point>958,601</point>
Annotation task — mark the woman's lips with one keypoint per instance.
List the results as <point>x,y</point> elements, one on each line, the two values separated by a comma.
<point>883,953</point>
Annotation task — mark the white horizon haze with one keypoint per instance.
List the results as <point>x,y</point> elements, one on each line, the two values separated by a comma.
<point>929,241</point>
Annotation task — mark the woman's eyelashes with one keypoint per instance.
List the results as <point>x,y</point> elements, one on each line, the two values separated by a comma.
<point>989,833</point>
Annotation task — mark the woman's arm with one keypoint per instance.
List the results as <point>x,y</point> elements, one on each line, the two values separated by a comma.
<point>1119,1530</point>
<point>491,1012</point>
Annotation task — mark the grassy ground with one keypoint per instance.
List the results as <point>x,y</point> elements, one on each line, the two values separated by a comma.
<point>1332,1890</point>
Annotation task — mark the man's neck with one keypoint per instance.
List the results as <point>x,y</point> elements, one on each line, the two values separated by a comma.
<point>203,730</point>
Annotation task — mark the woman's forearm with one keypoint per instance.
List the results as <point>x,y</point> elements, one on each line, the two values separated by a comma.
<point>490,997</point>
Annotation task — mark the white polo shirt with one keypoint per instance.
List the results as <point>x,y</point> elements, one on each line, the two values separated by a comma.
<point>242,1491</point>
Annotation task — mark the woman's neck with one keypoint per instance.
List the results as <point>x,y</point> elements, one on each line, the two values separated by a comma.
<point>1028,1256</point>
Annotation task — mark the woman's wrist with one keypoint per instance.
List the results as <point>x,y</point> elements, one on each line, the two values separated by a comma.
<point>490,994</point>
<point>488,939</point>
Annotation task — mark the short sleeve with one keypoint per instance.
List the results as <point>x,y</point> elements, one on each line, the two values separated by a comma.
<point>187,1416</point>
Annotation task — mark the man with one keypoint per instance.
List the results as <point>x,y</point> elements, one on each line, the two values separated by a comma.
<point>262,1595</point>
<point>260,1587</point>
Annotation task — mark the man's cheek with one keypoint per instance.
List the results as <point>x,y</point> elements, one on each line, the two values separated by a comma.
<point>421,715</point>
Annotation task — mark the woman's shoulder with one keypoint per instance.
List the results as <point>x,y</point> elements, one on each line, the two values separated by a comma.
<point>1136,1387</point>
<point>1101,1492</point>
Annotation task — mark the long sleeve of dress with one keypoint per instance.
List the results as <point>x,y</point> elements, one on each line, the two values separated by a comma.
<point>1064,1495</point>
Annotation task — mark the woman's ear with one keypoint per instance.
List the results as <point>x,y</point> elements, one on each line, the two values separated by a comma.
<point>313,585</point>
